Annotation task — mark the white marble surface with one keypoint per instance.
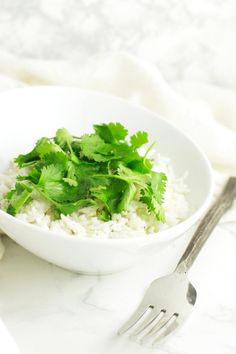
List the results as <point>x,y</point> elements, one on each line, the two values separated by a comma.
<point>48,310</point>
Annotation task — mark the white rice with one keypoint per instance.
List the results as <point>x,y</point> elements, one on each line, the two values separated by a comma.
<point>134,222</point>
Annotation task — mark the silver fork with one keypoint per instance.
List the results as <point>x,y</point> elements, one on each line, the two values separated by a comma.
<point>169,300</point>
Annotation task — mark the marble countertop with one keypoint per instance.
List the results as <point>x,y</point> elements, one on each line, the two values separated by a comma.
<point>49,310</point>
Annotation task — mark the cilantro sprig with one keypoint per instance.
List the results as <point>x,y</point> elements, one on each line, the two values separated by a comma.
<point>104,169</point>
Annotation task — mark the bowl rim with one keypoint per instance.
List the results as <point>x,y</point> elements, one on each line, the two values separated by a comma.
<point>163,235</point>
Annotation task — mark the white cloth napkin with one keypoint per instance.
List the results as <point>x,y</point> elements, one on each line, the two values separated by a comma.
<point>204,112</point>
<point>197,109</point>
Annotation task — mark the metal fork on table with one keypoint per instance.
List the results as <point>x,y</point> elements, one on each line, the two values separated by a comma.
<point>169,300</point>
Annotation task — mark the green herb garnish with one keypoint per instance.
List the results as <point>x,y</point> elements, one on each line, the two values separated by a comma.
<point>103,169</point>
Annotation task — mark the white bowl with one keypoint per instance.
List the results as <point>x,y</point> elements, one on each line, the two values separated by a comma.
<point>30,113</point>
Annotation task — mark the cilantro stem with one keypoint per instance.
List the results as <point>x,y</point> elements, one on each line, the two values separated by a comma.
<point>149,149</point>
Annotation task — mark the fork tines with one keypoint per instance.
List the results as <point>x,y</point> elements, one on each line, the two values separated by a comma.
<point>149,325</point>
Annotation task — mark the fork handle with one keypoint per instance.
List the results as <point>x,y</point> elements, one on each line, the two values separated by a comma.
<point>207,225</point>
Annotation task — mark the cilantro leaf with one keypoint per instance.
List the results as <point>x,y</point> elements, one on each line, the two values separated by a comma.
<point>43,147</point>
<point>158,184</point>
<point>118,131</point>
<point>51,173</point>
<point>70,208</point>
<point>153,194</point>
<point>114,193</point>
<point>53,186</point>
<point>103,169</point>
<point>71,176</point>
<point>153,206</point>
<point>133,177</point>
<point>18,197</point>
<point>64,139</point>
<point>70,181</point>
<point>139,139</point>
<point>33,175</point>
<point>55,158</point>
<point>104,133</point>
<point>112,132</point>
<point>24,160</point>
<point>94,148</point>
<point>86,169</point>
<point>140,166</point>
